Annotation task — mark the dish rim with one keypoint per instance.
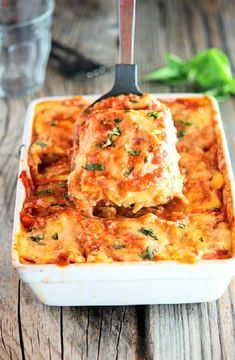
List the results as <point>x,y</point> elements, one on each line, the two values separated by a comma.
<point>172,265</point>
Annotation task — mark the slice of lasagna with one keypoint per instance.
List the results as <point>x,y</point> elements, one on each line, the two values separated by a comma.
<point>125,155</point>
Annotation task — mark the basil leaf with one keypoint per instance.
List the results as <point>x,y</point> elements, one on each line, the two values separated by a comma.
<point>119,246</point>
<point>148,232</point>
<point>154,114</point>
<point>132,151</point>
<point>55,236</point>
<point>40,143</point>
<point>95,166</point>
<point>37,237</point>
<point>44,192</point>
<point>148,254</point>
<point>128,171</point>
<point>208,71</point>
<point>182,133</point>
<point>115,132</point>
<point>185,122</point>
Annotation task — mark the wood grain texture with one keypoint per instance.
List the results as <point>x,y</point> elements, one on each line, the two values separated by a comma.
<point>29,330</point>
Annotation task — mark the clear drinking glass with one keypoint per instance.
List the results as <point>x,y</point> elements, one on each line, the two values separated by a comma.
<point>25,42</point>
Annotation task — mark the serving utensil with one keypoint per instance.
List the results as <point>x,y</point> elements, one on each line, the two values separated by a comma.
<point>126,71</point>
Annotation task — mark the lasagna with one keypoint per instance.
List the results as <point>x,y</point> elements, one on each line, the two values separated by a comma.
<point>108,185</point>
<point>125,156</point>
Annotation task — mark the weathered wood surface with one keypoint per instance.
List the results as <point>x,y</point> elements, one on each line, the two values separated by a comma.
<point>29,330</point>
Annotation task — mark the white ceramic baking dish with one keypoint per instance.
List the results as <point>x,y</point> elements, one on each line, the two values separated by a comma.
<point>163,282</point>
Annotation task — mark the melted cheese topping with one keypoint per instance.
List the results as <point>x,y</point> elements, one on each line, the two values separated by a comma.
<point>54,230</point>
<point>125,157</point>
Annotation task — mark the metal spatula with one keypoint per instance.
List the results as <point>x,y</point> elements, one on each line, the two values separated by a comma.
<point>125,72</point>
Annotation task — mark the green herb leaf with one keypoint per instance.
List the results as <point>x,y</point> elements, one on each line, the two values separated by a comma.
<point>40,143</point>
<point>128,171</point>
<point>185,122</point>
<point>132,151</point>
<point>208,71</point>
<point>201,239</point>
<point>119,246</point>
<point>58,204</point>
<point>148,254</point>
<point>117,120</point>
<point>115,132</point>
<point>44,192</point>
<point>94,167</point>
<point>54,123</point>
<point>148,232</point>
<point>154,131</point>
<point>55,236</point>
<point>37,237</point>
<point>164,74</point>
<point>65,196</point>
<point>182,133</point>
<point>106,143</point>
<point>154,114</point>
<point>181,225</point>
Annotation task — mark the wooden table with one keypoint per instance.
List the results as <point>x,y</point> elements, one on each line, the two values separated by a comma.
<point>30,330</point>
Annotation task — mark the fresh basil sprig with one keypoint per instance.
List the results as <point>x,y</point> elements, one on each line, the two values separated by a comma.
<point>209,71</point>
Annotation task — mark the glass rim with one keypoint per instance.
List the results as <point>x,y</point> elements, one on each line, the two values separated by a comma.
<point>34,20</point>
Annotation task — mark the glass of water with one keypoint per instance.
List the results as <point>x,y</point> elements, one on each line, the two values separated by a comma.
<point>25,42</point>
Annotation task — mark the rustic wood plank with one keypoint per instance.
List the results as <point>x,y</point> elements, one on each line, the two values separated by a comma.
<point>10,337</point>
<point>41,328</point>
<point>101,333</point>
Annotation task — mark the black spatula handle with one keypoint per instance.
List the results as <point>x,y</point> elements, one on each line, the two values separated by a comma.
<point>125,80</point>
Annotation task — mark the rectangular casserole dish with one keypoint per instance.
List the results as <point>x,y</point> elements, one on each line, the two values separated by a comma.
<point>163,282</point>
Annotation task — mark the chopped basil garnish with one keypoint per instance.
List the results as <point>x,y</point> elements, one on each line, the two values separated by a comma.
<point>146,159</point>
<point>58,204</point>
<point>185,122</point>
<point>115,132</point>
<point>105,144</point>
<point>182,133</point>
<point>148,232</point>
<point>148,254</point>
<point>154,131</point>
<point>54,123</point>
<point>65,196</point>
<point>133,101</point>
<point>37,237</point>
<point>44,192</point>
<point>117,120</point>
<point>128,171</point>
<point>132,151</point>
<point>181,225</point>
<point>95,166</point>
<point>55,236</point>
<point>40,143</point>
<point>119,246</point>
<point>154,114</point>
<point>201,239</point>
